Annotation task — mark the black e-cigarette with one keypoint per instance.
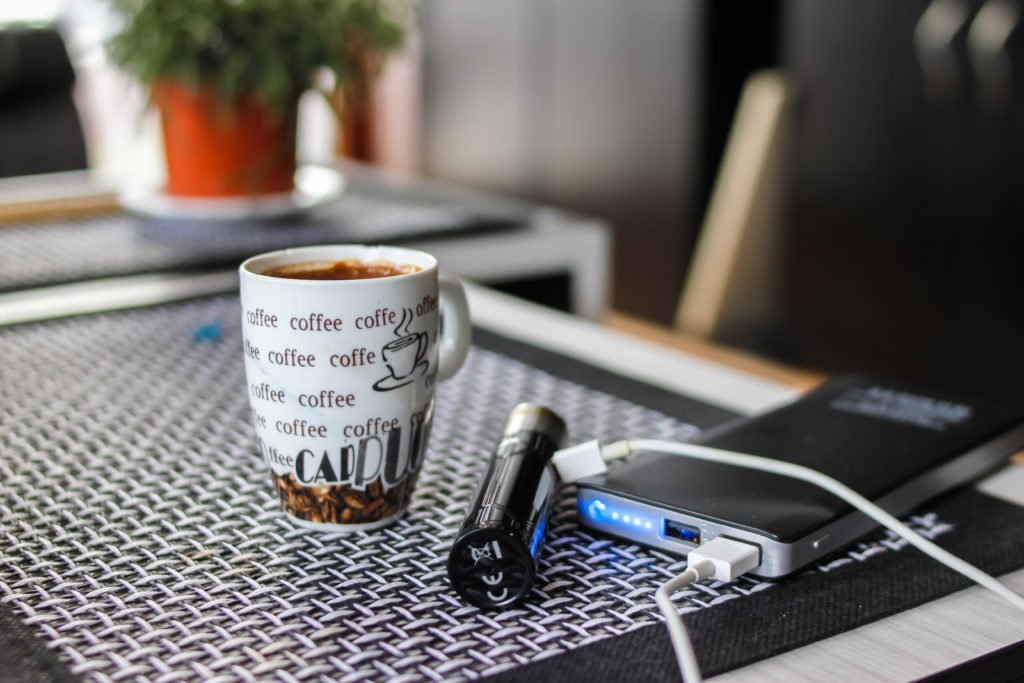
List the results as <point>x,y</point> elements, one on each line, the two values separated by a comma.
<point>494,558</point>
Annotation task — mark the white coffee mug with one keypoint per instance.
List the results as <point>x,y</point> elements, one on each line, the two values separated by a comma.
<point>341,377</point>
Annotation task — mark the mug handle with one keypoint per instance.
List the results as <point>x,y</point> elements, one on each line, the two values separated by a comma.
<point>454,337</point>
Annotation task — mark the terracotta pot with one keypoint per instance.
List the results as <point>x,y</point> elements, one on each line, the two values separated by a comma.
<point>216,148</point>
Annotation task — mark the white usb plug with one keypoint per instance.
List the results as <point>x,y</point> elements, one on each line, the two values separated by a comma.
<point>730,558</point>
<point>579,461</point>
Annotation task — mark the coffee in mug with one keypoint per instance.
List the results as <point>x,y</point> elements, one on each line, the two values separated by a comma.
<point>347,269</point>
<point>343,351</point>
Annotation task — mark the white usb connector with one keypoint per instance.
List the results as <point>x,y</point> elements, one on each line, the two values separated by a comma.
<point>579,461</point>
<point>730,558</point>
<point>722,559</point>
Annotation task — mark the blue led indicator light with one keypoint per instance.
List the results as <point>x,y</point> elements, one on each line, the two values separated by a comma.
<point>599,511</point>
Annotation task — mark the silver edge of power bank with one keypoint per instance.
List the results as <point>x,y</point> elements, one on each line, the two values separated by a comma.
<point>779,559</point>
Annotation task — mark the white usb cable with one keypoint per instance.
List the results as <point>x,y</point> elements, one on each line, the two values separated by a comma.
<point>731,558</point>
<point>722,559</point>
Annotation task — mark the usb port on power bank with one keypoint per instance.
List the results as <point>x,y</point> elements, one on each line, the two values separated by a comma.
<point>682,532</point>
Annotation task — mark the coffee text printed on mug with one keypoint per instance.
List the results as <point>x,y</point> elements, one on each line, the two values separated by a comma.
<point>265,392</point>
<point>291,357</point>
<point>299,427</point>
<point>261,318</point>
<point>373,426</point>
<point>327,398</point>
<point>274,456</point>
<point>315,322</point>
<point>357,357</point>
<point>380,317</point>
<point>428,305</point>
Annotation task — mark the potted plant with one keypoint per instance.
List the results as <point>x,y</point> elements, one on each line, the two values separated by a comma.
<point>226,76</point>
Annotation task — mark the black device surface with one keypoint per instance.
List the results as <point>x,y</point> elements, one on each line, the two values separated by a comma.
<point>895,445</point>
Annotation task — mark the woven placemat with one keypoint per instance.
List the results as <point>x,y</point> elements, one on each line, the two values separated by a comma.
<point>140,536</point>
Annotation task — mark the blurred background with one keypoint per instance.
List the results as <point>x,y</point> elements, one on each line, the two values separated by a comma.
<point>838,184</point>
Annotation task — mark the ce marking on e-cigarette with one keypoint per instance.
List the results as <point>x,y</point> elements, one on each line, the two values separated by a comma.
<point>490,552</point>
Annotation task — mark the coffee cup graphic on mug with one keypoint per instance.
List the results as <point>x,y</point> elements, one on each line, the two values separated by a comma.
<point>403,356</point>
<point>343,351</point>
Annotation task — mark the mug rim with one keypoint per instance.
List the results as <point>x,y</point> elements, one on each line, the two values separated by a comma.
<point>425,261</point>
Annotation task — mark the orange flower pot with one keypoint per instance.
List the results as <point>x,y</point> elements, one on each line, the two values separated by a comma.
<point>222,149</point>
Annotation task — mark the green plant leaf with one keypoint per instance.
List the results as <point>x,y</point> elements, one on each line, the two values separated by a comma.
<point>268,48</point>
